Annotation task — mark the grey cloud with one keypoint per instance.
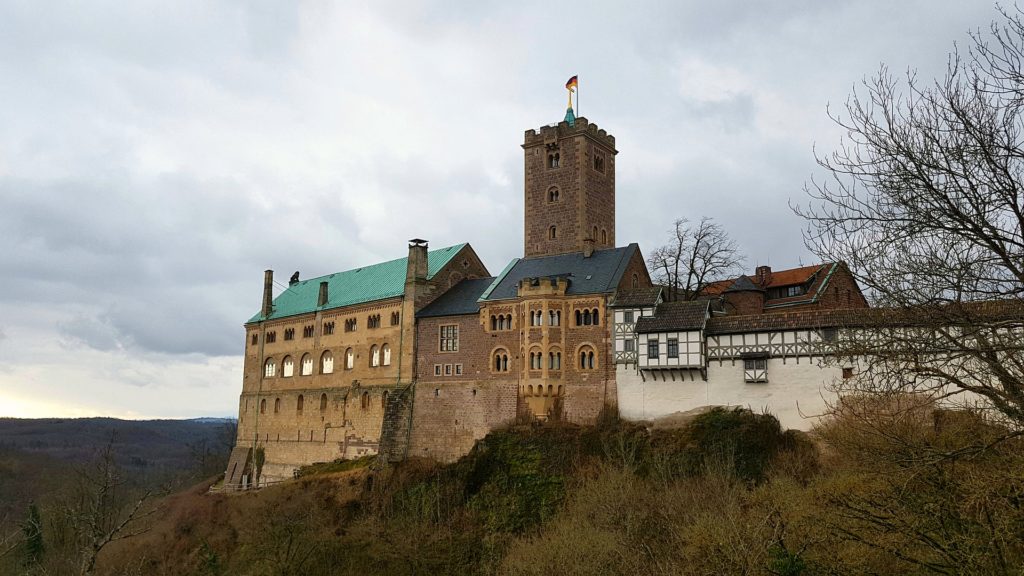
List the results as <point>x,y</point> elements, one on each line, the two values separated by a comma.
<point>155,160</point>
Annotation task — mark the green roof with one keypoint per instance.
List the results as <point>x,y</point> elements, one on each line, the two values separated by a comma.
<point>366,284</point>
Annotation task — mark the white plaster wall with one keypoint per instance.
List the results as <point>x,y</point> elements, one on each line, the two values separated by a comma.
<point>795,392</point>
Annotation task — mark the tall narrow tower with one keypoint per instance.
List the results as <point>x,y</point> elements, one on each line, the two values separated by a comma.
<point>570,188</point>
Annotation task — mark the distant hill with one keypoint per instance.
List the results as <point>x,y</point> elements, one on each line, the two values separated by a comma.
<point>36,455</point>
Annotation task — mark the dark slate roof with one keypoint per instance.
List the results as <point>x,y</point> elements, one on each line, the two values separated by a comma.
<point>459,300</point>
<point>744,284</point>
<point>674,316</point>
<point>637,297</point>
<point>598,274</point>
<point>967,314</point>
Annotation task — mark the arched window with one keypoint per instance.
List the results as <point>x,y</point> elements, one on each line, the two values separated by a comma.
<point>604,236</point>
<point>552,233</point>
<point>287,367</point>
<point>263,406</point>
<point>269,368</point>
<point>559,389</point>
<point>595,316</point>
<point>555,360</point>
<point>298,404</point>
<point>327,363</point>
<point>374,356</point>
<point>554,317</point>
<point>550,389</point>
<point>500,360</point>
<point>636,281</point>
<point>385,352</point>
<point>384,400</point>
<point>594,235</point>
<point>277,405</point>
<point>494,322</point>
<point>364,401</point>
<point>323,402</point>
<point>350,359</point>
<point>307,365</point>
<point>553,194</point>
<point>579,318</point>
<point>529,390</point>
<point>586,318</point>
<point>536,359</point>
<point>553,160</point>
<point>588,359</point>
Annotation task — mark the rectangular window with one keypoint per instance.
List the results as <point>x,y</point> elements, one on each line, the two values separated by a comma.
<point>828,334</point>
<point>630,345</point>
<point>627,317</point>
<point>652,348</point>
<point>847,373</point>
<point>255,339</point>
<point>794,290</point>
<point>673,348</point>
<point>289,334</point>
<point>449,338</point>
<point>307,332</point>
<point>447,369</point>
<point>437,369</point>
<point>755,369</point>
<point>458,369</point>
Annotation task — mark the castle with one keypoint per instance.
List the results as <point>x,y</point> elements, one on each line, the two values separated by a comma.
<point>424,355</point>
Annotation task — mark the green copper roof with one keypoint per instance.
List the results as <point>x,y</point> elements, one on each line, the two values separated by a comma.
<point>366,284</point>
<point>570,117</point>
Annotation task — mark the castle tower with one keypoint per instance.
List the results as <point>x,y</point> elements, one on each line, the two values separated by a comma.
<point>570,188</point>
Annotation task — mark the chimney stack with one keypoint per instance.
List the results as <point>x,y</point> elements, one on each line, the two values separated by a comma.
<point>268,292</point>
<point>588,247</point>
<point>764,275</point>
<point>321,300</point>
<point>417,266</point>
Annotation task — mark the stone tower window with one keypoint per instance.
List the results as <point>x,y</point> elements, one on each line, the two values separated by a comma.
<point>594,235</point>
<point>500,360</point>
<point>364,401</point>
<point>599,163</point>
<point>307,365</point>
<point>277,405</point>
<point>263,406</point>
<point>374,356</point>
<point>350,359</point>
<point>553,194</point>
<point>554,160</point>
<point>385,352</point>
<point>287,367</point>
<point>323,402</point>
<point>552,233</point>
<point>604,236</point>
<point>298,404</point>
<point>269,368</point>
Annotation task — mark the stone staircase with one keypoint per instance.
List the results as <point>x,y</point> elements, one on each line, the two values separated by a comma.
<point>394,433</point>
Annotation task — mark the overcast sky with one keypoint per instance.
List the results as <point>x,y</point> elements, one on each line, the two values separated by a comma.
<point>155,158</point>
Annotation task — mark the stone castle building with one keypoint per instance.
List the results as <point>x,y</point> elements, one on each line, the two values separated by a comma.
<point>424,355</point>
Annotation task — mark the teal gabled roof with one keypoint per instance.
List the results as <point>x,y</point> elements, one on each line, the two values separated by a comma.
<point>366,284</point>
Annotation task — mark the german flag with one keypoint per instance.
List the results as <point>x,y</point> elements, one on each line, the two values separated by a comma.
<point>572,84</point>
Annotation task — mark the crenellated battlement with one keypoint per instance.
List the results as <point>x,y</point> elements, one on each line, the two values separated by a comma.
<point>554,132</point>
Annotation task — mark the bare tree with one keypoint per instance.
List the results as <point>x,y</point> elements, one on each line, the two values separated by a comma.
<point>695,256</point>
<point>924,201</point>
<point>102,510</point>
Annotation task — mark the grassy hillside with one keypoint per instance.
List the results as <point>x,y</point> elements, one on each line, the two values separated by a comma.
<point>730,493</point>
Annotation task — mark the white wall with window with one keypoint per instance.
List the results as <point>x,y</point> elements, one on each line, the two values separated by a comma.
<point>671,350</point>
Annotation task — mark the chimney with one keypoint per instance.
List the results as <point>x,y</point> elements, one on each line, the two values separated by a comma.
<point>268,292</point>
<point>588,247</point>
<point>416,269</point>
<point>322,298</point>
<point>764,275</point>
